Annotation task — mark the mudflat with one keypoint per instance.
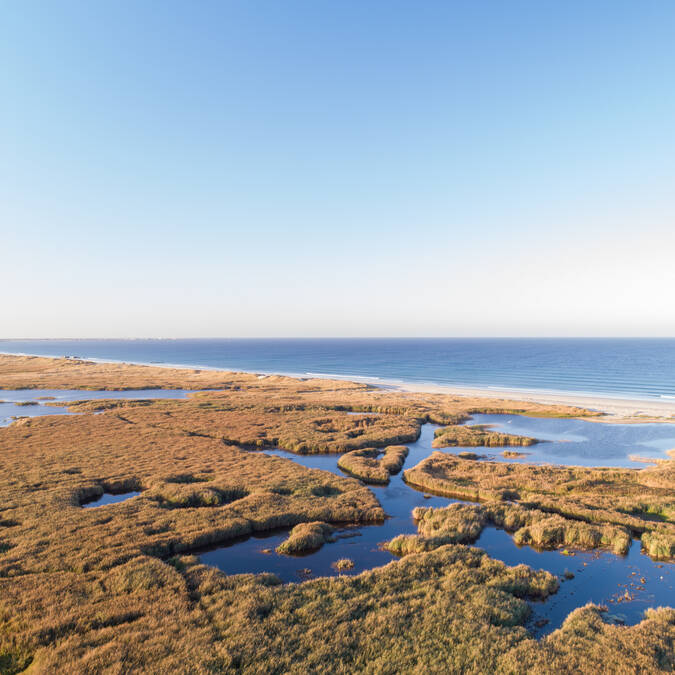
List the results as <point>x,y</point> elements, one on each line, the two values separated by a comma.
<point>120,588</point>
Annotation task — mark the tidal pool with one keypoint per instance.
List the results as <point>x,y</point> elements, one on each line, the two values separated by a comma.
<point>109,498</point>
<point>32,402</point>
<point>580,442</point>
<point>627,585</point>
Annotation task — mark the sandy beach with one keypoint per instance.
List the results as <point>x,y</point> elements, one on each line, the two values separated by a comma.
<point>135,375</point>
<point>615,409</point>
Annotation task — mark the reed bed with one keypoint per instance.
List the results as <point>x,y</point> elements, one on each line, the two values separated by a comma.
<point>306,537</point>
<point>119,588</point>
<point>589,506</point>
<point>373,466</point>
<point>476,436</point>
<point>463,523</point>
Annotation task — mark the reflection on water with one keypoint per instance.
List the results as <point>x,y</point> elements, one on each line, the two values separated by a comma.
<point>11,401</point>
<point>109,498</point>
<point>583,443</point>
<point>599,577</point>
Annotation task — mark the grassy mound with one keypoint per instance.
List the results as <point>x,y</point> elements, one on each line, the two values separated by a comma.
<point>574,506</point>
<point>306,537</point>
<point>373,466</point>
<point>474,436</point>
<point>463,523</point>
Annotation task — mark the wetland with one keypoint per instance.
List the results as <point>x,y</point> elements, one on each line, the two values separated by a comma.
<point>222,519</point>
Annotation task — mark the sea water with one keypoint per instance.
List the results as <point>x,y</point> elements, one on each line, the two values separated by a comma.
<point>624,368</point>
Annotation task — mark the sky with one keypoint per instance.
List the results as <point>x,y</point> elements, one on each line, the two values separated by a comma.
<point>346,168</point>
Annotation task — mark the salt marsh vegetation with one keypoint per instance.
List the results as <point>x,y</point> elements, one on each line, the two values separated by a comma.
<point>372,465</point>
<point>477,436</point>
<point>463,523</point>
<point>120,587</point>
<point>600,506</point>
<point>306,537</point>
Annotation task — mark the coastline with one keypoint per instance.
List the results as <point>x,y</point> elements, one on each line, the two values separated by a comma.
<point>194,493</point>
<point>614,408</point>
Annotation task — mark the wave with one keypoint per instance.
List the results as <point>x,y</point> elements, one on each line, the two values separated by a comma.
<point>344,377</point>
<point>587,371</point>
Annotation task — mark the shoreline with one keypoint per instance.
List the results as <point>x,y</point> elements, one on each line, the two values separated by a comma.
<point>615,408</point>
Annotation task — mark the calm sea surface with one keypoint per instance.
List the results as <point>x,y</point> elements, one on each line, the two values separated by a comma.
<point>626,368</point>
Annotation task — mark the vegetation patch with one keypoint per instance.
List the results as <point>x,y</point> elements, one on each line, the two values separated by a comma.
<point>514,454</point>
<point>463,523</point>
<point>553,531</point>
<point>99,405</point>
<point>469,455</point>
<point>476,435</point>
<point>594,507</point>
<point>659,545</point>
<point>306,537</point>
<point>372,465</point>
<point>343,564</point>
<point>179,495</point>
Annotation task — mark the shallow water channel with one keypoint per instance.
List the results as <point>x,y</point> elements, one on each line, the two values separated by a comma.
<point>599,577</point>
<point>19,403</point>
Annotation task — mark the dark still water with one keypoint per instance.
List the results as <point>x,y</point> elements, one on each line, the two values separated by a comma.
<point>626,368</point>
<point>627,585</point>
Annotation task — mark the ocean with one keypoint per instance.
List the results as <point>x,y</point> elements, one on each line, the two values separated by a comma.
<point>632,368</point>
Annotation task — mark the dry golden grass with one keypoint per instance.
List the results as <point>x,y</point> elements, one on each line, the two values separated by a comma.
<point>451,610</point>
<point>196,491</point>
<point>306,537</point>
<point>659,545</point>
<point>638,501</point>
<point>514,454</point>
<point>586,644</point>
<point>117,588</point>
<point>475,436</point>
<point>373,466</point>
<point>463,523</point>
<point>300,429</point>
<point>343,564</point>
<point>37,372</point>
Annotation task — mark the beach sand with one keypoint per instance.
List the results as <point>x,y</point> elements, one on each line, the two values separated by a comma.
<point>18,371</point>
<point>616,409</point>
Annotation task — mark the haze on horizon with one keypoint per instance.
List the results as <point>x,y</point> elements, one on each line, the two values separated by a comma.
<point>337,169</point>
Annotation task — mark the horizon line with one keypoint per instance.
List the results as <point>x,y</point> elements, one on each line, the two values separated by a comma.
<point>353,337</point>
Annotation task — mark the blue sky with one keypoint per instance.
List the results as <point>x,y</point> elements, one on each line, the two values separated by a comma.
<point>337,168</point>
